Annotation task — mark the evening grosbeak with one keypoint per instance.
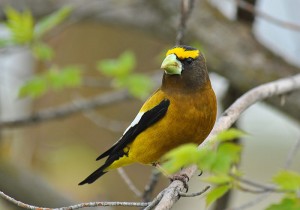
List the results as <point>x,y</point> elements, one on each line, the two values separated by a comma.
<point>183,110</point>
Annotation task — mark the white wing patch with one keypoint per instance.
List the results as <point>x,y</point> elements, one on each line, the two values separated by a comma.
<point>135,121</point>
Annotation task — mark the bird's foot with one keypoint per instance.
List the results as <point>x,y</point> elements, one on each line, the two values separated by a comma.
<point>181,177</point>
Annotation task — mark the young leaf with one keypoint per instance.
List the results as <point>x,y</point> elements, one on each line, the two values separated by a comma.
<point>227,154</point>
<point>218,179</point>
<point>20,25</point>
<point>120,67</point>
<point>42,51</point>
<point>286,204</point>
<point>34,88</point>
<point>287,180</point>
<point>230,134</point>
<point>72,76</point>
<point>216,193</point>
<point>50,21</point>
<point>207,158</point>
<point>65,77</point>
<point>179,157</point>
<point>128,62</point>
<point>52,79</point>
<point>138,85</point>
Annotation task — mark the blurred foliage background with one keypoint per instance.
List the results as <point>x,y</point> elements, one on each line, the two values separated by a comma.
<point>55,53</point>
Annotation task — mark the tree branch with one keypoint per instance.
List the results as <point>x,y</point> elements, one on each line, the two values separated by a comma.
<point>186,9</point>
<point>77,206</point>
<point>292,154</point>
<point>67,109</point>
<point>151,185</point>
<point>251,202</point>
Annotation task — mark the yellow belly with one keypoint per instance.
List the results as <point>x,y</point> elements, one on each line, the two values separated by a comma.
<point>189,119</point>
<point>179,126</point>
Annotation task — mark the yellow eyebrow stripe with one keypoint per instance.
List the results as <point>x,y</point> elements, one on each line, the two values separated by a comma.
<point>181,53</point>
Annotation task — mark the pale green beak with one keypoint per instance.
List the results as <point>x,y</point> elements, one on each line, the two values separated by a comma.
<point>171,65</point>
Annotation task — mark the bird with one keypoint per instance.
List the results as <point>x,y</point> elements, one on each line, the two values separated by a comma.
<point>183,110</point>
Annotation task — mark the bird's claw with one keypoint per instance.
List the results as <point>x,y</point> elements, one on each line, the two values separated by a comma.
<point>183,178</point>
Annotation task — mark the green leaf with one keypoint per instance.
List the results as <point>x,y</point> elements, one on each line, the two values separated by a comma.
<point>20,25</point>
<point>42,51</point>
<point>216,193</point>
<point>52,20</point>
<point>286,204</point>
<point>230,134</point>
<point>120,67</point>
<point>218,179</point>
<point>227,155</point>
<point>67,77</point>
<point>34,88</point>
<point>179,157</point>
<point>138,85</point>
<point>207,158</point>
<point>53,79</point>
<point>72,76</point>
<point>287,180</point>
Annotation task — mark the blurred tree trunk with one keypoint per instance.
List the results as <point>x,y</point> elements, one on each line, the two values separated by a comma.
<point>244,15</point>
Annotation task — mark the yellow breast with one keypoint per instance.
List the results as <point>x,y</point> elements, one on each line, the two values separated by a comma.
<point>189,119</point>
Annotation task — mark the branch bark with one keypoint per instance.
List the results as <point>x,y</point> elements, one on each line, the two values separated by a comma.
<point>64,110</point>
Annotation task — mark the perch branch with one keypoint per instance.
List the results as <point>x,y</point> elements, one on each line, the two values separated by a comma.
<point>77,206</point>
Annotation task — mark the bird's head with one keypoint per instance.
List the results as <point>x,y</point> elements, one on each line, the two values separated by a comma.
<point>179,58</point>
<point>185,65</point>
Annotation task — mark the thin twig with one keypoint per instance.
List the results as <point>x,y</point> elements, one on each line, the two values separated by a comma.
<point>259,191</point>
<point>151,185</point>
<point>77,206</point>
<point>93,82</point>
<point>250,8</point>
<point>186,9</point>
<point>292,154</point>
<point>106,123</point>
<point>267,188</point>
<point>155,201</point>
<point>262,187</point>
<point>182,194</point>
<point>129,182</point>
<point>68,109</point>
<point>251,203</point>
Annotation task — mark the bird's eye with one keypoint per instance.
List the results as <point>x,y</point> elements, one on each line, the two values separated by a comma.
<point>189,60</point>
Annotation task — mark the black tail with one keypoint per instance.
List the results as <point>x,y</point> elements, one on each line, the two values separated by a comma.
<point>95,175</point>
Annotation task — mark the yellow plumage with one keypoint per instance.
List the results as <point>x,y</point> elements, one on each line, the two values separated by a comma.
<point>182,111</point>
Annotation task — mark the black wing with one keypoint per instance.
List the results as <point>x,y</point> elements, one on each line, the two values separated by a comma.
<point>116,151</point>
